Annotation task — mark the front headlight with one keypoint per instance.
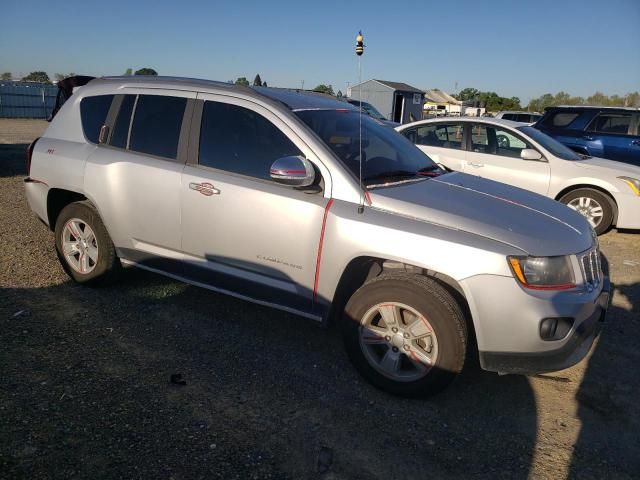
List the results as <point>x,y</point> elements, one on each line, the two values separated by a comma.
<point>633,183</point>
<point>543,273</point>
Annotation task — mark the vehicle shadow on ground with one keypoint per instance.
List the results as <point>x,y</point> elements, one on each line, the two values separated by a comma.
<point>14,158</point>
<point>608,406</point>
<point>266,393</point>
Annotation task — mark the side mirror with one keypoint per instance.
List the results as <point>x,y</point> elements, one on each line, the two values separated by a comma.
<point>295,171</point>
<point>530,154</point>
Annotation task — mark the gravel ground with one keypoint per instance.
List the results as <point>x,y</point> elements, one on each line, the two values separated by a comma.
<point>85,390</point>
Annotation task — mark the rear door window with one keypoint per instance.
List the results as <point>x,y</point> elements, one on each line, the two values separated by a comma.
<point>497,141</point>
<point>444,135</point>
<point>611,123</point>
<point>236,139</point>
<point>156,125</point>
<point>93,113</point>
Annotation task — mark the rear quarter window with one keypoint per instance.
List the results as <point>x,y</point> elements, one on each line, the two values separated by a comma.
<point>561,119</point>
<point>93,113</point>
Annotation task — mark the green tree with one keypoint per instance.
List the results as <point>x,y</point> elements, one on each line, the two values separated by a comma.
<point>242,81</point>
<point>37,77</point>
<point>339,94</point>
<point>264,84</point>
<point>62,76</point>
<point>632,99</point>
<point>128,72</point>
<point>322,88</point>
<point>257,82</point>
<point>467,94</point>
<point>6,76</point>
<point>146,71</point>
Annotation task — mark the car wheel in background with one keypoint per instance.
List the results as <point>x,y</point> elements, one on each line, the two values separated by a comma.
<point>83,245</point>
<point>405,334</point>
<point>594,205</point>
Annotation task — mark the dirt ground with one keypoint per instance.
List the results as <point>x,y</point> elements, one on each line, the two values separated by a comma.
<point>85,390</point>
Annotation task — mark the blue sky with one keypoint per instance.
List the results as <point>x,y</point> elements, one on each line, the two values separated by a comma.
<point>516,48</point>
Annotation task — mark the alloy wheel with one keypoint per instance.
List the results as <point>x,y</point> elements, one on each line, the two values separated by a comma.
<point>79,246</point>
<point>398,341</point>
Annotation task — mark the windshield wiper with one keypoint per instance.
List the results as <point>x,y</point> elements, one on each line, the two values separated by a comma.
<point>390,174</point>
<point>430,171</point>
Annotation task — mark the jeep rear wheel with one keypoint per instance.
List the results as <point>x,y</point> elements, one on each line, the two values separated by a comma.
<point>405,334</point>
<point>83,245</point>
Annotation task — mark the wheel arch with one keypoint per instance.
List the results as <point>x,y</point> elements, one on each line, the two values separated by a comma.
<point>363,268</point>
<point>57,199</point>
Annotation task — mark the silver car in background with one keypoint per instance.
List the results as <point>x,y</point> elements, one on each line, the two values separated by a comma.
<point>606,192</point>
<point>257,193</point>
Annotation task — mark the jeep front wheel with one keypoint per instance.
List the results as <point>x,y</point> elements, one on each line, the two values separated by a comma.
<point>405,334</point>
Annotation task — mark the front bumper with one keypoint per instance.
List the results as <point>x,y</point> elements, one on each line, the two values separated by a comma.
<point>628,211</point>
<point>508,331</point>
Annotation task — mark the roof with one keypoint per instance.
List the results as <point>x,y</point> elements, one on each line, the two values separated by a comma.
<point>400,86</point>
<point>438,96</point>
<point>488,120</point>
<point>600,107</point>
<point>291,98</point>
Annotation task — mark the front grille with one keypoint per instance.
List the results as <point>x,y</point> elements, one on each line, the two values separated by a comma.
<point>591,268</point>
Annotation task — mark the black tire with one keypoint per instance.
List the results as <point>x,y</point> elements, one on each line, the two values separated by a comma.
<point>602,199</point>
<point>107,267</point>
<point>427,297</point>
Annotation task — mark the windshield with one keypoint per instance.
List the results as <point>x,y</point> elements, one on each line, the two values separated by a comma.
<point>555,147</point>
<point>387,156</point>
<point>371,110</point>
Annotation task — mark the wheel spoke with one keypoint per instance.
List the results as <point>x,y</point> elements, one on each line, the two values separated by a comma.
<point>70,248</point>
<point>390,315</point>
<point>419,328</point>
<point>390,362</point>
<point>92,252</point>
<point>372,335</point>
<point>74,228</point>
<point>596,212</point>
<point>89,236</point>
<point>83,261</point>
<point>420,359</point>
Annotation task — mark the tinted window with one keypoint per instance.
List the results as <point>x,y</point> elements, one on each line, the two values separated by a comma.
<point>93,112</point>
<point>561,119</point>
<point>121,127</point>
<point>509,116</point>
<point>239,140</point>
<point>156,125</point>
<point>385,153</point>
<point>497,141</point>
<point>611,123</point>
<point>440,135</point>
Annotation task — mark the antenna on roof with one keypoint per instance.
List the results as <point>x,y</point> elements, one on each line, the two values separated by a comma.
<point>359,52</point>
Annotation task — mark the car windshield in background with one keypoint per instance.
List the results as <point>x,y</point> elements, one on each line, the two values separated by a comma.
<point>371,110</point>
<point>386,155</point>
<point>555,147</point>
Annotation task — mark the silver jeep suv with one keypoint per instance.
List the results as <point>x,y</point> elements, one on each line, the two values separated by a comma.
<point>256,192</point>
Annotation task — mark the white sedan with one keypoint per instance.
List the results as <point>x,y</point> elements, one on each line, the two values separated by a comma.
<point>604,191</point>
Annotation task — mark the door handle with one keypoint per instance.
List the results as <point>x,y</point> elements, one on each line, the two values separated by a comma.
<point>475,164</point>
<point>588,138</point>
<point>205,188</point>
<point>636,142</point>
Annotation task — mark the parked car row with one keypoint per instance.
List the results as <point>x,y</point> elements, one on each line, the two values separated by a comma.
<point>303,203</point>
<point>606,192</point>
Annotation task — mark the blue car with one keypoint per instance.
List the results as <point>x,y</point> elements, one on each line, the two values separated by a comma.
<point>607,132</point>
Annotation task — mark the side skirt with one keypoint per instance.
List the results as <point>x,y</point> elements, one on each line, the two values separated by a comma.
<point>223,291</point>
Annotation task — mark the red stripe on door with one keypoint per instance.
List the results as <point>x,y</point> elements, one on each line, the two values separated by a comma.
<point>324,223</point>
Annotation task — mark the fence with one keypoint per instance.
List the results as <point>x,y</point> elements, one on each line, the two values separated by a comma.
<point>26,99</point>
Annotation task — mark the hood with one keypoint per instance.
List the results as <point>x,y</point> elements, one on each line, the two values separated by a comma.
<point>610,166</point>
<point>530,222</point>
